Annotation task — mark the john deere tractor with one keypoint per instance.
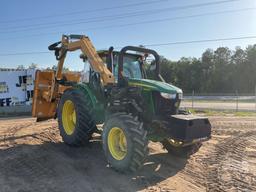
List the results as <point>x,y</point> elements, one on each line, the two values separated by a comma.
<point>132,108</point>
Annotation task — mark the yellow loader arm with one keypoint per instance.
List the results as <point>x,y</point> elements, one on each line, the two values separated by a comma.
<point>47,90</point>
<point>86,46</point>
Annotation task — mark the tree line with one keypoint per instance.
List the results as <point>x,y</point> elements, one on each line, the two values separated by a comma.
<point>216,71</point>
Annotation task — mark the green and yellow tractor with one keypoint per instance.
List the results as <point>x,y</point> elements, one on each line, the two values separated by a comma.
<point>132,108</point>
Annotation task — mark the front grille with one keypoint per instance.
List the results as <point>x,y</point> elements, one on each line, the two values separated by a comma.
<point>164,106</point>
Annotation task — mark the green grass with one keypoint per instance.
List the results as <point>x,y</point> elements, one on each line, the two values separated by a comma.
<point>243,114</point>
<point>223,113</point>
<point>218,101</point>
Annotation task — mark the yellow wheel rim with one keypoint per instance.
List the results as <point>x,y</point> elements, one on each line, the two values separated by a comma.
<point>117,143</point>
<point>175,143</point>
<point>69,117</point>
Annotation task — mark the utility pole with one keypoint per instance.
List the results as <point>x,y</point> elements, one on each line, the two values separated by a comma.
<point>193,94</point>
<point>255,97</point>
<point>236,101</point>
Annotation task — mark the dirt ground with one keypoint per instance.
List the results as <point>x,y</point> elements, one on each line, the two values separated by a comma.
<point>33,158</point>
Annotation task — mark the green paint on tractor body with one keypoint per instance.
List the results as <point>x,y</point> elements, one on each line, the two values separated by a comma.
<point>154,85</point>
<point>97,105</point>
<point>156,102</point>
<point>148,87</point>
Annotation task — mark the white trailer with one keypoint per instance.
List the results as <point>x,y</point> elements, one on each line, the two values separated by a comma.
<point>16,86</point>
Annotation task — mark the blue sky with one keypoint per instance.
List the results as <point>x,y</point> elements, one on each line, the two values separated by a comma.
<point>30,25</point>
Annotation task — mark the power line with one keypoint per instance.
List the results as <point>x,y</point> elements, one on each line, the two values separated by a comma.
<point>85,11</point>
<point>171,19</point>
<point>142,22</point>
<point>114,17</point>
<point>26,53</point>
<point>150,45</point>
<point>199,41</point>
<point>88,20</point>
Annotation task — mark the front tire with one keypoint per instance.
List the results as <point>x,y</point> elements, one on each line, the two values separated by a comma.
<point>125,142</point>
<point>75,120</point>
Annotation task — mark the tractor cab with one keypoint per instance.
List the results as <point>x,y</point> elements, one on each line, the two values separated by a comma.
<point>129,69</point>
<point>133,63</point>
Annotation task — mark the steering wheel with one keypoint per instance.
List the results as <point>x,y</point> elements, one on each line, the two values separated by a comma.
<point>131,75</point>
<point>54,47</point>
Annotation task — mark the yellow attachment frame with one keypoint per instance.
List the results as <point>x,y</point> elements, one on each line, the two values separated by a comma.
<point>47,91</point>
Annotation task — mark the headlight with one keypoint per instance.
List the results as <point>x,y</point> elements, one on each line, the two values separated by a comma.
<point>168,95</point>
<point>180,95</point>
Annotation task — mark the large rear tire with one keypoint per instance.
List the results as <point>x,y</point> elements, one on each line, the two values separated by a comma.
<point>125,142</point>
<point>75,120</point>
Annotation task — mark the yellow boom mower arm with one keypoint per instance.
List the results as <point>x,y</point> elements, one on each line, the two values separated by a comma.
<point>47,90</point>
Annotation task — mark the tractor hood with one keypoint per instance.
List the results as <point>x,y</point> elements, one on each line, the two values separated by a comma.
<point>155,85</point>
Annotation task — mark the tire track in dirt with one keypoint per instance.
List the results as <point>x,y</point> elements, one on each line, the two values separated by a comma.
<point>34,159</point>
<point>48,135</point>
<point>20,161</point>
<point>8,137</point>
<point>16,162</point>
<point>30,162</point>
<point>224,167</point>
<point>227,169</point>
<point>224,163</point>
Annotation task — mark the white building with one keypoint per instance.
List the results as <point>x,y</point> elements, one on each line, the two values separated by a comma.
<point>16,86</point>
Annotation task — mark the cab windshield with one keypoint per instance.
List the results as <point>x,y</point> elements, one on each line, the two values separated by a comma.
<point>131,67</point>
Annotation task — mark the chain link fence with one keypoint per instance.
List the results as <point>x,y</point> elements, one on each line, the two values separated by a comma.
<point>244,102</point>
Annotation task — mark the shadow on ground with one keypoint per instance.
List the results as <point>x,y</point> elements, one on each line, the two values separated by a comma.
<point>58,167</point>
